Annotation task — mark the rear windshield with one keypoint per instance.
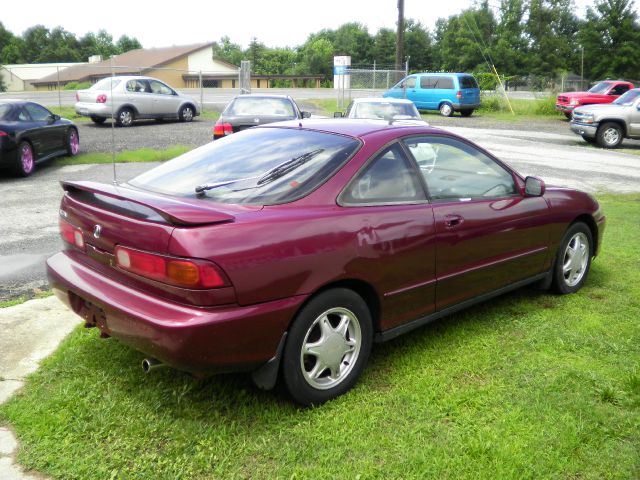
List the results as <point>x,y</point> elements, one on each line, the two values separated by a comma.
<point>261,166</point>
<point>601,87</point>
<point>260,106</point>
<point>628,98</point>
<point>106,84</point>
<point>384,110</point>
<point>468,82</point>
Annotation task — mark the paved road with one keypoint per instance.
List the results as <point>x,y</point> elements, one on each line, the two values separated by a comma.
<point>29,231</point>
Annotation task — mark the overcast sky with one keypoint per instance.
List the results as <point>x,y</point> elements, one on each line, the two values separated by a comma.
<point>276,23</point>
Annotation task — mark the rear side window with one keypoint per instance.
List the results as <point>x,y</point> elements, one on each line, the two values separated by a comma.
<point>106,84</point>
<point>6,111</point>
<point>468,82</point>
<point>389,179</point>
<point>445,83</point>
<point>427,82</point>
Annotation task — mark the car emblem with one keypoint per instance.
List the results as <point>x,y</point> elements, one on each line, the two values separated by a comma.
<point>97,230</point>
<point>257,120</point>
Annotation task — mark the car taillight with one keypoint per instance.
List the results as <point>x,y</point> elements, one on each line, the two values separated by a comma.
<point>220,129</point>
<point>3,134</point>
<point>102,98</point>
<point>459,94</point>
<point>71,234</point>
<point>77,97</point>
<point>181,272</point>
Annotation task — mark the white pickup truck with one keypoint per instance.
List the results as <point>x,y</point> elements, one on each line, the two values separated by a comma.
<point>607,125</point>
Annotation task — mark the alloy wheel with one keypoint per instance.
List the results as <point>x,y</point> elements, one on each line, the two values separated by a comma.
<point>576,258</point>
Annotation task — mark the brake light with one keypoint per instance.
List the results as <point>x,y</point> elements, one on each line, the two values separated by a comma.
<point>459,94</point>
<point>102,98</point>
<point>3,134</point>
<point>220,129</point>
<point>71,234</point>
<point>181,272</point>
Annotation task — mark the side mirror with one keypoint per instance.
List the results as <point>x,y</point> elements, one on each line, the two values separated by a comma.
<point>534,187</point>
<point>53,118</point>
<point>306,114</point>
<point>337,115</point>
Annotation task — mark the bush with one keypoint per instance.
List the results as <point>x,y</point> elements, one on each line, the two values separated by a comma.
<point>545,106</point>
<point>77,85</point>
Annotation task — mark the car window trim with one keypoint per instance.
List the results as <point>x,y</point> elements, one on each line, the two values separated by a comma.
<point>413,165</point>
<point>514,175</point>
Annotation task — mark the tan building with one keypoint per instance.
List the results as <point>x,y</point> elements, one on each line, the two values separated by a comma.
<point>179,66</point>
<point>18,78</point>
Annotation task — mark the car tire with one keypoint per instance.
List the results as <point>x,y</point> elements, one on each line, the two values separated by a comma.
<point>73,142</point>
<point>186,113</point>
<point>25,162</point>
<point>568,115</point>
<point>446,109</point>
<point>591,140</point>
<point>573,260</point>
<point>327,347</point>
<point>466,113</point>
<point>609,135</point>
<point>125,117</point>
<point>98,120</point>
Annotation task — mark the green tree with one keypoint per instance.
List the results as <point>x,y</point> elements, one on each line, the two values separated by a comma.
<point>464,41</point>
<point>317,57</point>
<point>353,39</point>
<point>384,47</point>
<point>126,44</point>
<point>551,32</point>
<point>34,38</point>
<point>610,37</point>
<point>418,45</point>
<point>61,46</point>
<point>510,50</point>
<point>228,51</point>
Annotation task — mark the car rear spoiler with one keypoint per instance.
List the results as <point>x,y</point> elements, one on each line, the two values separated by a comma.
<point>176,211</point>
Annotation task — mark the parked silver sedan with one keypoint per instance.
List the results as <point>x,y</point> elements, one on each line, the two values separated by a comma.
<point>130,98</point>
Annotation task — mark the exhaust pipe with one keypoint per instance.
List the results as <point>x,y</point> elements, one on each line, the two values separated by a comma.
<point>149,364</point>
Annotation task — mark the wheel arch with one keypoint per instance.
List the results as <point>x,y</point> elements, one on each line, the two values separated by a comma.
<point>593,228</point>
<point>130,106</point>
<point>617,121</point>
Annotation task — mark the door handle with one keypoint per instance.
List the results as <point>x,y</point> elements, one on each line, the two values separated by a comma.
<point>452,221</point>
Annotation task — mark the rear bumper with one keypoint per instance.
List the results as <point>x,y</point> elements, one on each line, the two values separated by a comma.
<point>465,106</point>
<point>583,129</point>
<point>93,109</point>
<point>218,339</point>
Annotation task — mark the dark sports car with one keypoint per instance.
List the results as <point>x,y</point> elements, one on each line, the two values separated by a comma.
<point>30,134</point>
<point>246,111</point>
<point>287,249</point>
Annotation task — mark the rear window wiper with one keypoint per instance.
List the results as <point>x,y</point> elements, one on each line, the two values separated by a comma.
<point>286,167</point>
<point>271,175</point>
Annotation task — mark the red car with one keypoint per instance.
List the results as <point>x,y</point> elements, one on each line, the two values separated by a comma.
<point>603,92</point>
<point>286,250</point>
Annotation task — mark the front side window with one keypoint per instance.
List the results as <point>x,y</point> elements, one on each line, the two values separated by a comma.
<point>390,178</point>
<point>260,166</point>
<point>37,113</point>
<point>159,88</point>
<point>619,89</point>
<point>138,86</point>
<point>454,170</point>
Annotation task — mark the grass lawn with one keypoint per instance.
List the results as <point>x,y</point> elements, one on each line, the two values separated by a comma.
<point>530,385</point>
<point>70,114</point>
<point>128,156</point>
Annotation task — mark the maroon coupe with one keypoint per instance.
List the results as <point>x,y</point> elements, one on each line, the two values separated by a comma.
<point>287,250</point>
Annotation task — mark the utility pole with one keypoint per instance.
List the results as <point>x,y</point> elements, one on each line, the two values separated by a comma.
<point>400,36</point>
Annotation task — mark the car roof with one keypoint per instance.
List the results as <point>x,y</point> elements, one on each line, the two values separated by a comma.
<point>262,95</point>
<point>356,128</point>
<point>381,100</point>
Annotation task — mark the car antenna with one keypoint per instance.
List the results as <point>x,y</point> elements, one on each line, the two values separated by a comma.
<point>113,125</point>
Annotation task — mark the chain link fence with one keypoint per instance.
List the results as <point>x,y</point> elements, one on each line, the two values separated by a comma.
<point>359,80</point>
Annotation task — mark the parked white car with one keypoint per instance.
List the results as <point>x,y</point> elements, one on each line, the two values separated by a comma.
<point>374,108</point>
<point>130,98</point>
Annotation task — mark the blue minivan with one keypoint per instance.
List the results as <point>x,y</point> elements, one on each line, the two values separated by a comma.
<point>447,92</point>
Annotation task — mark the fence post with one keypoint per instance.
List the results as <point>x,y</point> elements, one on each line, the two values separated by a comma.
<point>201,92</point>
<point>59,98</point>
<point>374,77</point>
